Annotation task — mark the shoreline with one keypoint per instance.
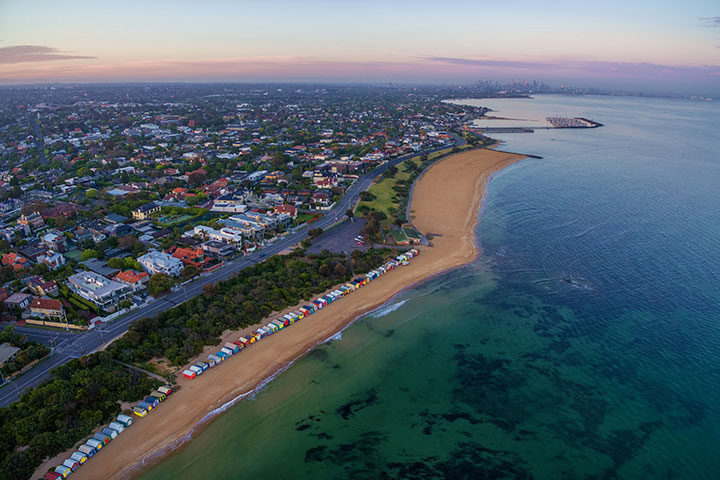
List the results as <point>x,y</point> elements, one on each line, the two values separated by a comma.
<point>459,179</point>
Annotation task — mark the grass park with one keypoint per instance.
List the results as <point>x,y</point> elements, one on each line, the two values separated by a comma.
<point>390,194</point>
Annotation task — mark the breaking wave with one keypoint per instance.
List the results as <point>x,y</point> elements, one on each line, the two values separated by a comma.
<point>389,309</point>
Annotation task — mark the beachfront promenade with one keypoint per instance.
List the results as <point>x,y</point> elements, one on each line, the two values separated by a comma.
<point>76,345</point>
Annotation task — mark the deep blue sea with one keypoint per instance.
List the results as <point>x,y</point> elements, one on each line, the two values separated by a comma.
<point>583,344</point>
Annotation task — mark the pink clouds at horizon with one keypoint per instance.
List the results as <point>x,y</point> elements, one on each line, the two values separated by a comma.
<point>430,69</point>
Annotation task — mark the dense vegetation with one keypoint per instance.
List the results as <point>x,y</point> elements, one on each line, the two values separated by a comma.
<point>30,351</point>
<point>244,300</point>
<point>85,392</point>
<point>52,417</point>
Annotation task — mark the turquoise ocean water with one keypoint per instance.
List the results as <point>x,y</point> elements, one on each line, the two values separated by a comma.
<point>583,344</point>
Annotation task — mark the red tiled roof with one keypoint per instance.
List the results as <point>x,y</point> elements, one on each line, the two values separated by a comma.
<point>188,253</point>
<point>12,258</point>
<point>46,304</point>
<point>289,209</point>
<point>129,276</point>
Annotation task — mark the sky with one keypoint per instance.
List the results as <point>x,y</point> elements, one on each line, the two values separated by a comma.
<point>659,46</point>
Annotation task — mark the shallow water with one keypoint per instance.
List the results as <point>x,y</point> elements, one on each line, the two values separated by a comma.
<point>583,344</point>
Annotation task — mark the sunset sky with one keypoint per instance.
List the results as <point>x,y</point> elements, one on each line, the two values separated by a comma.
<point>636,45</point>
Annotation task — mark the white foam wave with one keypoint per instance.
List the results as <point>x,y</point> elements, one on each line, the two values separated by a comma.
<point>385,310</point>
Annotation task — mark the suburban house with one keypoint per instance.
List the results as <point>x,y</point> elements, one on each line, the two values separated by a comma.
<point>97,289</point>
<point>194,257</point>
<point>277,222</point>
<point>247,227</point>
<point>144,212</point>
<point>160,262</point>
<point>19,300</point>
<point>231,203</point>
<point>34,220</point>
<point>17,261</point>
<point>39,286</point>
<point>64,210</point>
<point>53,260</point>
<point>218,249</point>
<point>287,210</point>
<point>136,280</point>
<point>55,240</point>
<point>8,234</point>
<point>7,352</point>
<point>322,199</point>
<point>33,251</point>
<point>47,308</point>
<point>176,194</point>
<point>224,235</point>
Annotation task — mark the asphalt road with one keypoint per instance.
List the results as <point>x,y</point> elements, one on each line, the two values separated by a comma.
<point>39,140</point>
<point>73,345</point>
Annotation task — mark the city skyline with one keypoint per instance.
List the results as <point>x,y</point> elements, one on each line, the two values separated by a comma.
<point>638,47</point>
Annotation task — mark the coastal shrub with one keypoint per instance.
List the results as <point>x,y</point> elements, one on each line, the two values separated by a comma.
<point>244,300</point>
<point>64,409</point>
<point>85,392</point>
<point>367,196</point>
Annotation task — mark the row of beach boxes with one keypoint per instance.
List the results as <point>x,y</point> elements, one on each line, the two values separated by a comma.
<point>94,444</point>
<point>231,348</point>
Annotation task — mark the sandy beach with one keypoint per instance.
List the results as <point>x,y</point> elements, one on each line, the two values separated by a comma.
<point>445,203</point>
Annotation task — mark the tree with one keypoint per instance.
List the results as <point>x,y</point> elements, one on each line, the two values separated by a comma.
<point>340,269</point>
<point>189,272</point>
<point>132,264</point>
<point>210,290</point>
<point>349,213</point>
<point>391,171</point>
<point>367,196</point>
<point>127,242</point>
<point>315,232</point>
<point>7,273</point>
<point>138,249</point>
<point>116,262</point>
<point>91,193</point>
<point>89,253</point>
<point>159,283</point>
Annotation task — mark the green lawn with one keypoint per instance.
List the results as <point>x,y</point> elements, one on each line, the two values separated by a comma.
<point>384,194</point>
<point>305,217</point>
<point>385,200</point>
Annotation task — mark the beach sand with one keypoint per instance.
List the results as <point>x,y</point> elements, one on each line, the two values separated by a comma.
<point>445,203</point>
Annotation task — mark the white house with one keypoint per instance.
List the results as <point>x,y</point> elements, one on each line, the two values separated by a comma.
<point>160,262</point>
<point>224,235</point>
